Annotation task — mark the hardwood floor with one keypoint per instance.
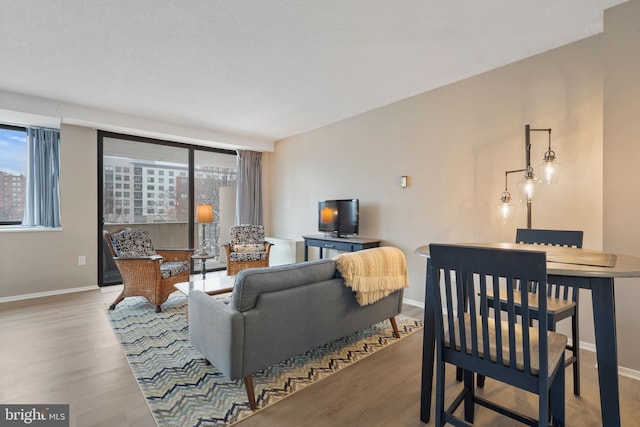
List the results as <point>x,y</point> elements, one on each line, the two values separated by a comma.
<point>61,350</point>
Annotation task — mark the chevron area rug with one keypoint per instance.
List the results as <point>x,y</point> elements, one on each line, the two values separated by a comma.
<point>182,391</point>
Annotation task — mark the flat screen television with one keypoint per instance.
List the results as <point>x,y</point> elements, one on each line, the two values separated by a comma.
<point>338,217</point>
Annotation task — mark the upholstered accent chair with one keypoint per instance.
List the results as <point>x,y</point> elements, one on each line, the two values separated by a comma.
<point>145,271</point>
<point>246,248</point>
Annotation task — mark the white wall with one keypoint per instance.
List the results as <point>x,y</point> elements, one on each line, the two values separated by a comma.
<point>621,171</point>
<point>47,261</point>
<point>455,144</point>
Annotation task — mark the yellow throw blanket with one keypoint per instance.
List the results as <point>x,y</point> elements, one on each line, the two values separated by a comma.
<point>373,273</point>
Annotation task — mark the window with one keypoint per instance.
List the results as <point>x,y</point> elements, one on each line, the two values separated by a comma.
<point>13,163</point>
<point>160,202</point>
<point>38,203</point>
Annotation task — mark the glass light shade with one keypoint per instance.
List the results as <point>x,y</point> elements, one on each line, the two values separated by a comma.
<point>505,210</point>
<point>549,171</point>
<point>528,188</point>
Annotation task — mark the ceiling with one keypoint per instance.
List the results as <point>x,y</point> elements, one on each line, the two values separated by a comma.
<point>266,69</point>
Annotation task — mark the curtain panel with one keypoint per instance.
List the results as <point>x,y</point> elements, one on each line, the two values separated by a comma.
<point>42,195</point>
<point>249,188</point>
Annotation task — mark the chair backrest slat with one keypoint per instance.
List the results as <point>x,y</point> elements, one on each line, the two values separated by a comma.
<point>570,238</point>
<point>450,311</point>
<point>467,275</point>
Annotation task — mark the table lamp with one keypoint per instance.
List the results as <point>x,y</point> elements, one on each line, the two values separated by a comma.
<point>204,214</point>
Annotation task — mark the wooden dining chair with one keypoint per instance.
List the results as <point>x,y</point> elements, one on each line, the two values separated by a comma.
<point>562,299</point>
<point>491,342</point>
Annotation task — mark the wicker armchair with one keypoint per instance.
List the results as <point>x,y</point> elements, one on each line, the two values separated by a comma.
<point>145,271</point>
<point>246,248</point>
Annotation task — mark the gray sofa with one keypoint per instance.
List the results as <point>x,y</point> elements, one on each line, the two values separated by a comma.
<point>277,313</point>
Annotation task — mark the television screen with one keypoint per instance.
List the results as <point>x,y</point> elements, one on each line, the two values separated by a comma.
<point>338,217</point>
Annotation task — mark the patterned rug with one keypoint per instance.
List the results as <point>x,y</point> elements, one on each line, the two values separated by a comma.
<point>182,391</point>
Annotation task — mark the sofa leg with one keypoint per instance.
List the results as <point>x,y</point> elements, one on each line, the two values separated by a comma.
<point>396,332</point>
<point>248,384</point>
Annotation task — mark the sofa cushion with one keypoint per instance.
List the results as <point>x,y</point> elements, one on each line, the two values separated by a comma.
<point>252,282</point>
<point>131,243</point>
<point>170,269</point>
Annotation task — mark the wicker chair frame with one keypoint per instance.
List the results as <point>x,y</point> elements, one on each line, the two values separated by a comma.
<point>141,276</point>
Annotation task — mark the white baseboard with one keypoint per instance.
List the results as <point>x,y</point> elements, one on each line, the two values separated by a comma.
<point>622,371</point>
<point>413,302</point>
<point>47,293</point>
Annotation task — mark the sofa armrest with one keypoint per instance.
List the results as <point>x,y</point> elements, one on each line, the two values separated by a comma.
<point>217,331</point>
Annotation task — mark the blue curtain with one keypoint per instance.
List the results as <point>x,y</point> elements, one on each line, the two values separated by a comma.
<point>42,195</point>
<point>249,190</point>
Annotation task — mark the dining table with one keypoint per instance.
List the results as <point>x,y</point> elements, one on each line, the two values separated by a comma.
<point>582,268</point>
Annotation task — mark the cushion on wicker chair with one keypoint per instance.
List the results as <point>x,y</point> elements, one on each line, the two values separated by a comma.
<point>248,247</point>
<point>169,269</point>
<point>247,256</point>
<point>132,243</point>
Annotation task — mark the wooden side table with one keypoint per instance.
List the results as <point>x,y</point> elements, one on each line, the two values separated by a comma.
<point>203,262</point>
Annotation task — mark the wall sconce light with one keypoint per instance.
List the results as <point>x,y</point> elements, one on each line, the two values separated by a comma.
<point>529,185</point>
<point>404,181</point>
<point>204,214</point>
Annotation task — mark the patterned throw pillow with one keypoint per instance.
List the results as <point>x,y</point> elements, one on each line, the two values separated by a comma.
<point>246,233</point>
<point>132,243</point>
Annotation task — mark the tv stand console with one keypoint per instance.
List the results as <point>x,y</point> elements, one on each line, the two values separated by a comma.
<point>345,244</point>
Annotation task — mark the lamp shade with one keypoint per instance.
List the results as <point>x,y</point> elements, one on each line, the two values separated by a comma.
<point>505,209</point>
<point>528,188</point>
<point>549,170</point>
<point>204,213</point>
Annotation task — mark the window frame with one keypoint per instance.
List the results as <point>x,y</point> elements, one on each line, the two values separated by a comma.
<point>20,129</point>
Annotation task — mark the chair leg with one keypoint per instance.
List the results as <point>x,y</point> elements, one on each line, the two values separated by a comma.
<point>459,373</point>
<point>557,403</point>
<point>575,337</point>
<point>440,379</point>
<point>158,309</point>
<point>117,301</point>
<point>469,403</point>
<point>394,325</point>
<point>248,385</point>
<point>480,381</point>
